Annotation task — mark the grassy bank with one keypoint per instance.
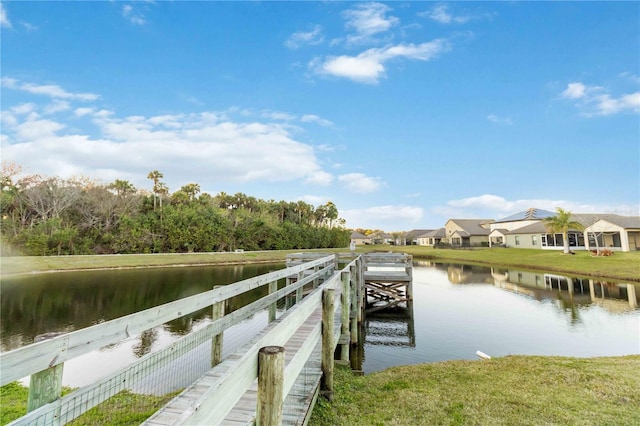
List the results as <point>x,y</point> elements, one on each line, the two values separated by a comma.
<point>123,409</point>
<point>522,390</point>
<point>621,266</point>
<point>624,266</point>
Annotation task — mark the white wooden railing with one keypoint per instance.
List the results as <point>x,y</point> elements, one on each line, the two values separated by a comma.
<point>44,359</point>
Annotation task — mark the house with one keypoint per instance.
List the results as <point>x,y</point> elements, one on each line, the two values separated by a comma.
<point>527,230</point>
<point>360,239</point>
<point>431,238</point>
<point>468,232</point>
<point>613,232</point>
<point>411,237</point>
<point>500,228</point>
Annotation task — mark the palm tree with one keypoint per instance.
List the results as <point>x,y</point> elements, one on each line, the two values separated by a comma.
<point>155,176</point>
<point>561,223</point>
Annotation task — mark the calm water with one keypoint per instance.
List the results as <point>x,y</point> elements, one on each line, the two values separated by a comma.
<point>457,311</point>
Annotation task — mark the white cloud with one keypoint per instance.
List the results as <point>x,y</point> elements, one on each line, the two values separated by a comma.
<point>490,206</point>
<point>368,67</point>
<point>320,177</point>
<point>360,183</point>
<point>312,118</point>
<point>388,218</point>
<point>595,100</point>
<point>4,19</point>
<point>575,91</point>
<point>368,19</point>
<point>206,146</point>
<point>499,120</point>
<point>56,106</point>
<point>131,16</point>
<point>27,26</point>
<point>313,38</point>
<point>51,90</point>
<point>81,112</point>
<point>440,13</point>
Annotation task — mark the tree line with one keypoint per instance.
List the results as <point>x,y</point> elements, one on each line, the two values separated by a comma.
<point>53,216</point>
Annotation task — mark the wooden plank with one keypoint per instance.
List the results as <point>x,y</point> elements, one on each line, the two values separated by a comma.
<point>229,388</point>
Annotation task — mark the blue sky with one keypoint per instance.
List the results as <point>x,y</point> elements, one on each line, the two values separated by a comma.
<point>404,114</point>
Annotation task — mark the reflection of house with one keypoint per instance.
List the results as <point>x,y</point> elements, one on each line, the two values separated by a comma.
<point>615,297</point>
<point>359,238</point>
<point>432,238</point>
<point>468,232</point>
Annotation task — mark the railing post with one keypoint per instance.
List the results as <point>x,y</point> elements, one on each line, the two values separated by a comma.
<point>328,347</point>
<point>353,315</point>
<point>270,386</point>
<point>345,278</point>
<point>289,299</point>
<point>217,312</point>
<point>273,287</point>
<point>361,291</point>
<point>45,386</point>
<point>299,290</point>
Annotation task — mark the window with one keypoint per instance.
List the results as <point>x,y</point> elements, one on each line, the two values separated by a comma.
<point>455,241</point>
<point>534,240</point>
<point>517,240</point>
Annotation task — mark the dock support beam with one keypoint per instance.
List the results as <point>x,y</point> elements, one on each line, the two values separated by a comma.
<point>328,308</point>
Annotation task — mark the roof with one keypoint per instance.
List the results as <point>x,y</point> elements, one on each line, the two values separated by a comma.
<point>358,236</point>
<point>529,214</point>
<point>586,219</point>
<point>473,226</point>
<point>626,222</point>
<point>415,233</point>
<point>534,228</point>
<point>436,233</point>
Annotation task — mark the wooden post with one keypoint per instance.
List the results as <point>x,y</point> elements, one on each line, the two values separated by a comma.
<point>299,290</point>
<point>345,313</point>
<point>273,287</point>
<point>217,312</point>
<point>289,299</point>
<point>360,290</point>
<point>353,315</point>
<point>270,386</point>
<point>631,294</point>
<point>315,281</point>
<point>45,386</point>
<point>327,343</point>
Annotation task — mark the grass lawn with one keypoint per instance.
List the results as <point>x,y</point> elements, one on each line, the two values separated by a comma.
<point>620,266</point>
<point>624,266</point>
<point>512,390</point>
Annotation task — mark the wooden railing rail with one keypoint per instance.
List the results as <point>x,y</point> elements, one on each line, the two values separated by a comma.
<point>47,357</point>
<point>36,357</point>
<point>229,381</point>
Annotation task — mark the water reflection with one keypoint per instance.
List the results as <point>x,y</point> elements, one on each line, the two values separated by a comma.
<point>460,309</point>
<point>62,302</point>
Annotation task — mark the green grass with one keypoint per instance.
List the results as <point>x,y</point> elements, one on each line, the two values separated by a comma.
<point>621,266</point>
<point>513,390</point>
<point>124,408</point>
<point>624,266</point>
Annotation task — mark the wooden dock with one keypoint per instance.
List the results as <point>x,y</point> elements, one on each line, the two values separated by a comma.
<point>388,281</point>
<point>322,323</point>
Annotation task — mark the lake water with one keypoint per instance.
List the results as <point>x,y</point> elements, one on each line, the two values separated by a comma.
<point>457,311</point>
<point>460,309</point>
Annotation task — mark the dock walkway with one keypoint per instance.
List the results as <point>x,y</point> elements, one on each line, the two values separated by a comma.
<point>321,323</point>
